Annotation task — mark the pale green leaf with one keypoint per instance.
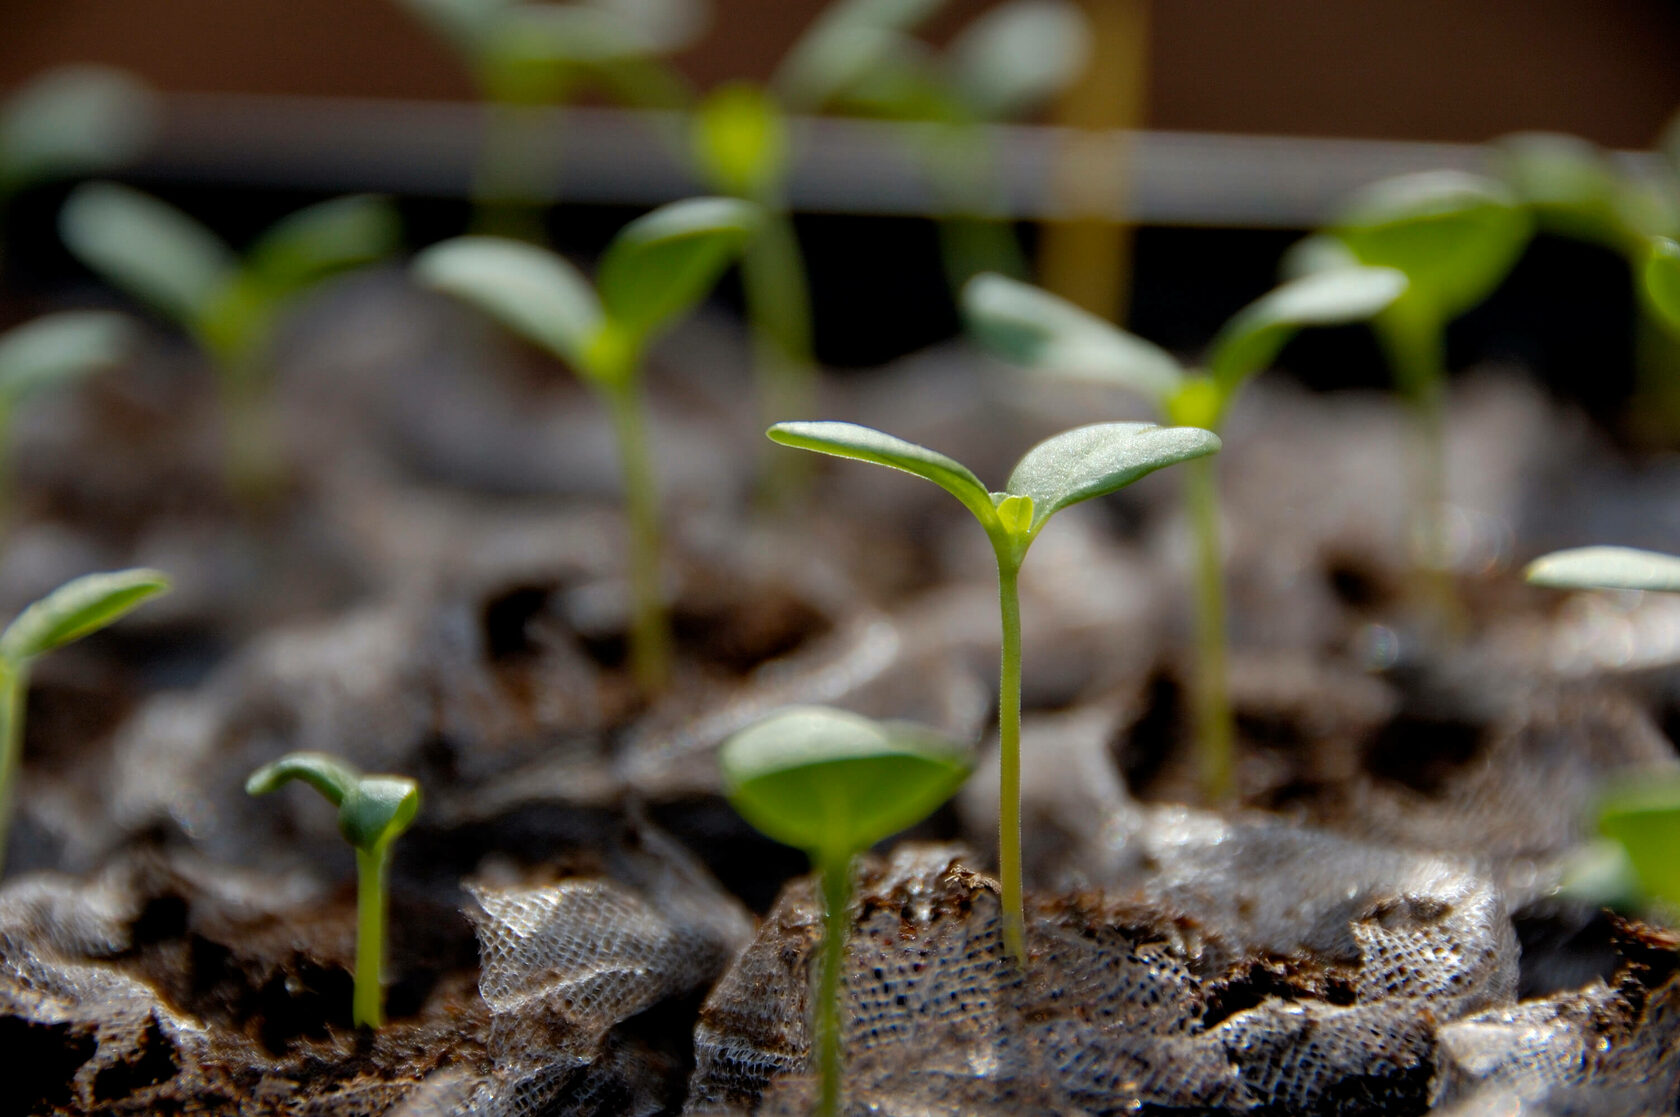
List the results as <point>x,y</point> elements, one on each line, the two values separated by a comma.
<point>849,440</point>
<point>1611,568</point>
<point>77,608</point>
<point>1031,327</point>
<point>322,239</point>
<point>332,777</point>
<point>834,783</point>
<point>1252,338</point>
<point>843,46</point>
<point>1569,181</point>
<point>662,264</point>
<point>1454,235</point>
<point>378,809</point>
<point>73,120</point>
<point>147,248</point>
<point>1094,460</point>
<point>1662,280</point>
<point>1012,59</point>
<point>740,140</point>
<point>663,25</point>
<point>1645,818</point>
<point>530,290</point>
<point>58,349</point>
<point>1319,252</point>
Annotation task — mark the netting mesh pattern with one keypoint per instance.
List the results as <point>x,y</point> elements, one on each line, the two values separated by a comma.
<point>1157,1000</point>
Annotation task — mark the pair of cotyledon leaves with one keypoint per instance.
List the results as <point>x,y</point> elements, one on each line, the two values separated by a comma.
<point>168,260</point>
<point>372,810</point>
<point>834,783</point>
<point>658,267</point>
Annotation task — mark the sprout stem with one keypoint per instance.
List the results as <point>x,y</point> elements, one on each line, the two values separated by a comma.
<point>1215,734</point>
<point>1009,761</point>
<point>14,691</point>
<point>779,306</point>
<point>650,639</point>
<point>1416,345</point>
<point>367,1008</point>
<point>837,897</point>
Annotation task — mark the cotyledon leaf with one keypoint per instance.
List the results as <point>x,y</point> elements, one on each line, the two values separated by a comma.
<point>58,348</point>
<point>1029,326</point>
<point>78,607</point>
<point>1013,58</point>
<point>73,120</point>
<point>1662,280</point>
<point>1252,338</point>
<point>1093,460</point>
<point>1621,568</point>
<point>849,440</point>
<point>665,262</point>
<point>321,239</point>
<point>372,810</point>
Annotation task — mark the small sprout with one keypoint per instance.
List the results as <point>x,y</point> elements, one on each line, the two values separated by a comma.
<point>1064,469</point>
<point>1040,331</point>
<point>833,784</point>
<point>230,307</point>
<point>1606,568</point>
<point>1662,281</point>
<point>75,609</point>
<point>656,270</point>
<point>373,811</point>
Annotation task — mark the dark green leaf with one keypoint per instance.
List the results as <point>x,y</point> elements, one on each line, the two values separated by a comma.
<point>849,440</point>
<point>663,264</point>
<point>329,775</point>
<point>322,239</point>
<point>151,250</point>
<point>1610,568</point>
<point>1455,235</point>
<point>1031,327</point>
<point>528,289</point>
<point>378,809</point>
<point>1645,819</point>
<point>58,349</point>
<point>1013,58</point>
<point>1101,458</point>
<point>1251,339</point>
<point>1662,280</point>
<point>78,607</point>
<point>73,121</point>
<point>740,140</point>
<point>833,783</point>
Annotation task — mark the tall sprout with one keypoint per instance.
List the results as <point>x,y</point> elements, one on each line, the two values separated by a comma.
<point>1040,331</point>
<point>655,271</point>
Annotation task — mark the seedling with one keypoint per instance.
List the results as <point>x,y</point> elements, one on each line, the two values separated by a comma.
<point>656,269</point>
<point>833,784</point>
<point>1065,469</point>
<point>79,607</point>
<point>1038,330</point>
<point>372,812</point>
<point>54,351</point>
<point>1661,281</point>
<point>1454,236</point>
<point>229,306</point>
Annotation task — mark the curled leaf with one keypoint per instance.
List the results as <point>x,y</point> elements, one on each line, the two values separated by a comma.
<point>77,608</point>
<point>372,810</point>
<point>332,777</point>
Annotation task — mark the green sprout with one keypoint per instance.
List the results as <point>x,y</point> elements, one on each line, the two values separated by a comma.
<point>656,270</point>
<point>1660,281</point>
<point>78,608</point>
<point>833,784</point>
<point>372,812</point>
<point>53,351</point>
<point>229,306</point>
<point>524,57</point>
<point>1064,469</point>
<point>1454,236</point>
<point>1038,330</point>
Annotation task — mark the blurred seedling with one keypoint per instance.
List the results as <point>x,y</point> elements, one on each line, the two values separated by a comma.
<point>78,608</point>
<point>373,811</point>
<point>1660,281</point>
<point>833,784</point>
<point>656,270</point>
<point>1064,469</point>
<point>53,351</point>
<point>230,306</point>
<point>526,57</point>
<point>1033,328</point>
<point>1454,236</point>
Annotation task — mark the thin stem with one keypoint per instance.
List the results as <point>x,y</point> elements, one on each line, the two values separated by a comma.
<point>1009,760</point>
<point>512,183</point>
<point>1416,344</point>
<point>650,638</point>
<point>367,1008</point>
<point>779,306</point>
<point>1215,733</point>
<point>837,897</point>
<point>14,691</point>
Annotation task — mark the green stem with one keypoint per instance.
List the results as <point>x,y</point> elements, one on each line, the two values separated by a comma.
<point>1215,732</point>
<point>14,691</point>
<point>1009,760</point>
<point>779,307</point>
<point>1416,343</point>
<point>368,1004</point>
<point>650,638</point>
<point>511,185</point>
<point>830,1057</point>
